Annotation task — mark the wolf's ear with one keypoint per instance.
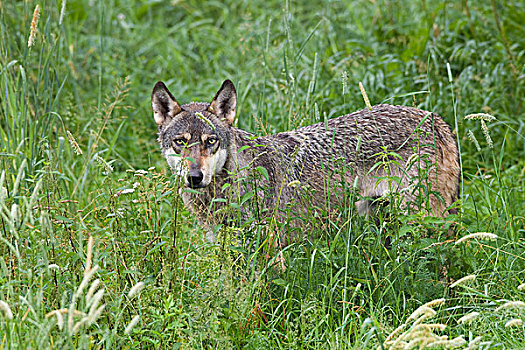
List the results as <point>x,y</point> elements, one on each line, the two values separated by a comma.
<point>225,102</point>
<point>164,104</point>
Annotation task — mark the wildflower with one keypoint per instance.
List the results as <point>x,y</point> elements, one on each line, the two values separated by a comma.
<point>468,317</point>
<point>4,307</point>
<point>136,184</point>
<point>132,324</point>
<point>521,286</point>
<point>463,280</point>
<point>480,235</point>
<point>365,96</point>
<point>34,25</point>
<point>135,289</point>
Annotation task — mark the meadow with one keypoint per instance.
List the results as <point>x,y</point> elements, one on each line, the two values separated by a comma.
<point>98,251</point>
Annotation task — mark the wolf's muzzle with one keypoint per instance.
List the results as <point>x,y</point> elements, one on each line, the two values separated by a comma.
<point>194,178</point>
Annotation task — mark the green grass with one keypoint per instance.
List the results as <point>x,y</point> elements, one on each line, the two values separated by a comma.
<point>294,63</point>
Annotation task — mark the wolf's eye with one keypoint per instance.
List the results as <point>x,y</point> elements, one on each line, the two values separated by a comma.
<point>211,141</point>
<point>179,142</point>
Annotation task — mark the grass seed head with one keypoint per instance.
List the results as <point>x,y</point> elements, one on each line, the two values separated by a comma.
<point>481,116</point>
<point>79,324</point>
<point>62,12</point>
<point>95,315</point>
<point>34,26</point>
<point>422,311</point>
<point>474,140</point>
<point>478,235</point>
<point>468,317</point>
<point>132,324</point>
<point>435,302</point>
<point>73,143</point>
<point>449,73</point>
<point>429,327</point>
<point>365,96</point>
<point>294,183</point>
<point>457,342</point>
<point>486,133</point>
<point>463,280</point>
<point>474,343</point>
<point>95,301</point>
<point>515,322</point>
<point>89,254</point>
<point>3,193</point>
<point>105,165</point>
<point>53,267</point>
<point>91,290</point>
<point>518,304</point>
<point>344,79</point>
<point>6,310</point>
<point>15,213</point>
<point>59,317</point>
<point>395,332</point>
<point>135,289</point>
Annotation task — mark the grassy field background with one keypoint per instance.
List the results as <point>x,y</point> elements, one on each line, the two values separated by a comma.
<point>97,250</point>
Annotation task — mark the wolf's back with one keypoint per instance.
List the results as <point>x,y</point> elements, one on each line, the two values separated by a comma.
<point>357,142</point>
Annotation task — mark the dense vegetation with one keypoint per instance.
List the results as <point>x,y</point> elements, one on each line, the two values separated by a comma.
<point>98,251</point>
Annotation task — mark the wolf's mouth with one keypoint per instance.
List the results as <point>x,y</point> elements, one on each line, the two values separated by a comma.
<point>194,186</point>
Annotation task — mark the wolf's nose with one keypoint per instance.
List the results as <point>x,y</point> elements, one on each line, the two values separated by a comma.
<point>195,177</point>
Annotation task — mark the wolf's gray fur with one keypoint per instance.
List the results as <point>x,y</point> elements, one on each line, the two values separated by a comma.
<point>201,145</point>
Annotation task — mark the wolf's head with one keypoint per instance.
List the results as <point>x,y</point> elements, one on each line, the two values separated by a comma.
<point>195,137</point>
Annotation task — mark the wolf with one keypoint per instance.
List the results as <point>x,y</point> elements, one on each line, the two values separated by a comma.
<point>413,148</point>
